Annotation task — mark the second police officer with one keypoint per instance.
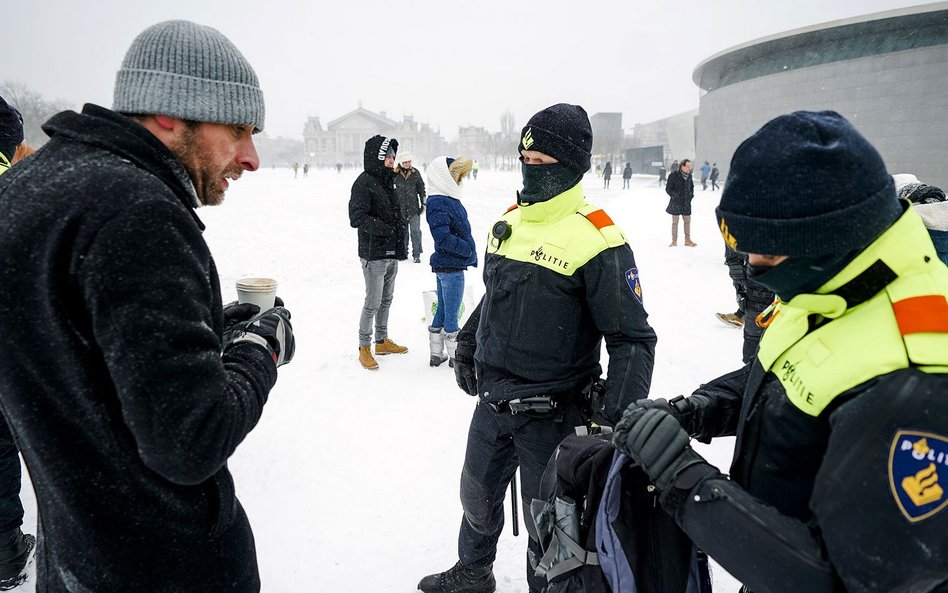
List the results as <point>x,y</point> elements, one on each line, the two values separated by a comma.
<point>560,276</point>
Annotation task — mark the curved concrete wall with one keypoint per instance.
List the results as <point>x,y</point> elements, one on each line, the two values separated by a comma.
<point>898,100</point>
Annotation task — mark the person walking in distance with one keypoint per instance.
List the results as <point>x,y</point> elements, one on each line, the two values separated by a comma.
<point>705,172</point>
<point>681,190</point>
<point>606,175</point>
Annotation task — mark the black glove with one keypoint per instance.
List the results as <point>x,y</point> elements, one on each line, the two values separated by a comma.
<point>272,330</point>
<point>236,313</point>
<point>658,443</point>
<point>683,409</point>
<point>464,371</point>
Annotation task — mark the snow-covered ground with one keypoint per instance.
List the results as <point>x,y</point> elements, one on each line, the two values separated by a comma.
<point>350,479</point>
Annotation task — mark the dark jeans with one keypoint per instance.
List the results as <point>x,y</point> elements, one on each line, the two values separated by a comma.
<point>450,291</point>
<point>414,232</point>
<point>497,443</point>
<point>11,511</point>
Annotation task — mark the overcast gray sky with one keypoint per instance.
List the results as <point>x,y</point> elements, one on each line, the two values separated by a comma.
<point>446,63</point>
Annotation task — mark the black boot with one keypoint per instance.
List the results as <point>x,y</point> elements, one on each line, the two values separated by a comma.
<point>460,579</point>
<point>16,552</point>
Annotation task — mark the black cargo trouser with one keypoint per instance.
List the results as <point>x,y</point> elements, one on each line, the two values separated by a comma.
<point>497,443</point>
<point>758,299</point>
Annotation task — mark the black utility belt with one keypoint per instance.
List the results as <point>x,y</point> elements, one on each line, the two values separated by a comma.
<point>536,404</point>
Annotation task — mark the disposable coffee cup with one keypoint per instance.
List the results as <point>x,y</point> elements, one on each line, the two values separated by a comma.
<point>257,291</point>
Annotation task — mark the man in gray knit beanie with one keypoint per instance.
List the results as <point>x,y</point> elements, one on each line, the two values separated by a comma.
<point>189,86</point>
<point>190,71</point>
<point>123,378</point>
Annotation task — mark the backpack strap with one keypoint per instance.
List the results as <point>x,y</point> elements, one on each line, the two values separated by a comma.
<point>564,553</point>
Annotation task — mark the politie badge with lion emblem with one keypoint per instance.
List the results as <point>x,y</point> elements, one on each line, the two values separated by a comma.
<point>918,473</point>
<point>635,285</point>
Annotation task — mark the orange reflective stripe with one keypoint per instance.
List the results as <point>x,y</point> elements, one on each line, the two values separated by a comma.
<point>922,314</point>
<point>514,207</point>
<point>599,218</point>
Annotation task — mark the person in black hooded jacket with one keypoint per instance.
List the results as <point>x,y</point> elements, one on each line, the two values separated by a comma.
<point>383,232</point>
<point>16,547</point>
<point>125,381</point>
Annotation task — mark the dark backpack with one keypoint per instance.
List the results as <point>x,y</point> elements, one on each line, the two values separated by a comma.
<point>601,530</point>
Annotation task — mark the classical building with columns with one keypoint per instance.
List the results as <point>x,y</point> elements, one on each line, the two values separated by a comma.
<point>342,140</point>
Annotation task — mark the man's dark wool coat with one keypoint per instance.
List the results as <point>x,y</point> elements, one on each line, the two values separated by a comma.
<point>111,370</point>
<point>681,190</point>
<point>410,190</point>
<point>374,207</point>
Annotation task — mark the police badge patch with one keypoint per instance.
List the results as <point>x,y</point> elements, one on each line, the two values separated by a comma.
<point>918,473</point>
<point>635,285</point>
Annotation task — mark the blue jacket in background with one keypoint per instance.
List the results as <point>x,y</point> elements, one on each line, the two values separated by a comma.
<point>451,231</point>
<point>940,239</point>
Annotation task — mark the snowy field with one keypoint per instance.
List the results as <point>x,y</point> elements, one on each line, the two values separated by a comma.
<point>350,479</point>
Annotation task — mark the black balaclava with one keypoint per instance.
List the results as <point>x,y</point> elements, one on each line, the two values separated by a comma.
<point>800,274</point>
<point>543,182</point>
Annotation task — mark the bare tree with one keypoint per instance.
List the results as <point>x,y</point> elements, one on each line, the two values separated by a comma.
<point>34,108</point>
<point>507,126</point>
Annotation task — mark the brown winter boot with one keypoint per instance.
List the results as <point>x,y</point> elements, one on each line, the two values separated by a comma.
<point>366,359</point>
<point>674,232</point>
<point>688,241</point>
<point>387,346</point>
<point>730,319</point>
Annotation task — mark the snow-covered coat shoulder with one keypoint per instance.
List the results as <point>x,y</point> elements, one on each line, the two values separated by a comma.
<point>447,220</point>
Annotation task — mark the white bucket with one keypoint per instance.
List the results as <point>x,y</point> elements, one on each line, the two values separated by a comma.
<point>430,300</point>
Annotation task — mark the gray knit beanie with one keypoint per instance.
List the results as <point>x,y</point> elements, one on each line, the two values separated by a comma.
<point>186,70</point>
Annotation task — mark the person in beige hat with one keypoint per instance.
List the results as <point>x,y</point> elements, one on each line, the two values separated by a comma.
<point>410,189</point>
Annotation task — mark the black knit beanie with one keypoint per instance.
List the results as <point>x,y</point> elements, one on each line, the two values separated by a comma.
<point>806,183</point>
<point>561,131</point>
<point>11,129</point>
